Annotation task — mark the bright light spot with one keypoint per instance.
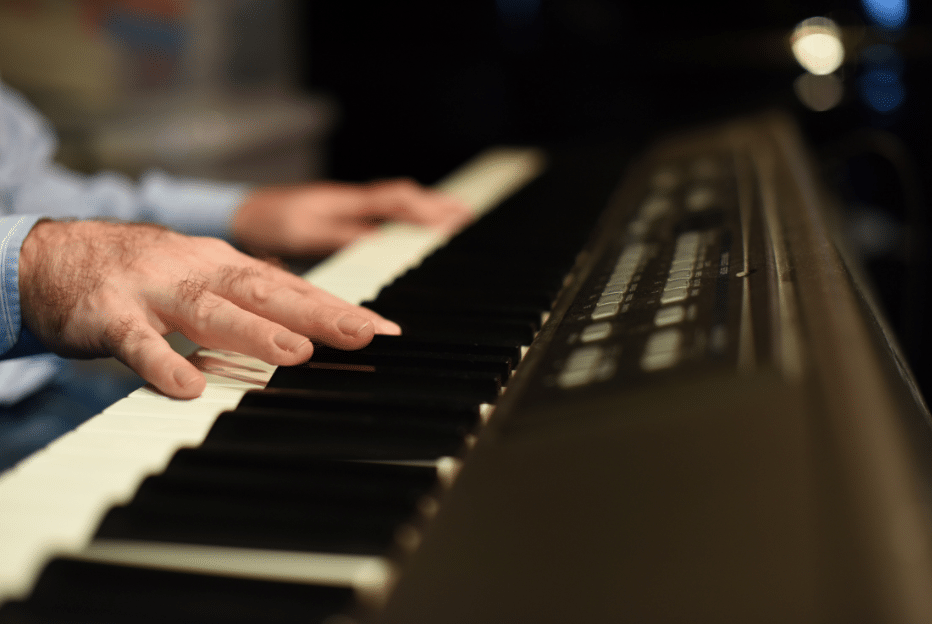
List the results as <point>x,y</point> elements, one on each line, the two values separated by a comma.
<point>817,45</point>
<point>890,14</point>
<point>819,93</point>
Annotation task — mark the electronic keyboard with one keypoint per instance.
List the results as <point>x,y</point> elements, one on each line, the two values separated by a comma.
<point>646,389</point>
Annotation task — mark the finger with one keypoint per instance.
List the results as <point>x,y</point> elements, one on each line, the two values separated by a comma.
<point>288,299</point>
<point>338,233</point>
<point>309,312</point>
<point>144,350</point>
<point>216,323</point>
<point>408,201</point>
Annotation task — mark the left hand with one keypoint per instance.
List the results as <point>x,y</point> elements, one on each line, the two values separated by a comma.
<point>318,219</point>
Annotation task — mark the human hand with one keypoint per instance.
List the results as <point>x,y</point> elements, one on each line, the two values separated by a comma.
<point>317,219</point>
<point>93,288</point>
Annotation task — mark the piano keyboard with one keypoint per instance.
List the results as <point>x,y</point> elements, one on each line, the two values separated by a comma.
<point>709,425</point>
<point>100,464</point>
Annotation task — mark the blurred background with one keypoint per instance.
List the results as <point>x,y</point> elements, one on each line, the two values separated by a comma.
<point>283,91</point>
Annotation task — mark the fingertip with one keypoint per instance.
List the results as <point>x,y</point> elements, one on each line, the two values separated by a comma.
<point>145,351</point>
<point>189,383</point>
<point>388,328</point>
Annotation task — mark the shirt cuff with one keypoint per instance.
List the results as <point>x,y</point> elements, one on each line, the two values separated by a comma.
<point>13,230</point>
<point>193,207</point>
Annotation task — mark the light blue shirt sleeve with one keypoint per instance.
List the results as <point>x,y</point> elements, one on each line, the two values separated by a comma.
<point>14,229</point>
<point>32,186</point>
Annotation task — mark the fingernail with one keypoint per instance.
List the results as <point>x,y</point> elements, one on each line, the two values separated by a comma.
<point>352,325</point>
<point>185,376</point>
<point>290,341</point>
<point>390,328</point>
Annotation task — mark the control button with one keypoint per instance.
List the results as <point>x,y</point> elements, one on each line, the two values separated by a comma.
<point>675,284</point>
<point>596,331</point>
<point>638,228</point>
<point>615,286</point>
<point>687,244</point>
<point>604,311</point>
<point>612,297</point>
<point>581,367</point>
<point>619,281</point>
<point>705,169</point>
<point>701,198</point>
<point>632,255</point>
<point>665,179</point>
<point>662,350</point>
<point>655,206</point>
<point>674,296</point>
<point>669,316</point>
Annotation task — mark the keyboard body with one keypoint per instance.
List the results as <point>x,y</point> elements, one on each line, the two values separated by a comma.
<point>713,425</point>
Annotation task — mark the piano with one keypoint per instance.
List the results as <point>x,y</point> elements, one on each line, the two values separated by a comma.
<point>672,398</point>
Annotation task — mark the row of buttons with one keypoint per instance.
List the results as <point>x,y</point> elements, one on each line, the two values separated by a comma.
<point>619,283</point>
<point>702,196</point>
<point>591,362</point>
<point>594,363</point>
<point>679,279</point>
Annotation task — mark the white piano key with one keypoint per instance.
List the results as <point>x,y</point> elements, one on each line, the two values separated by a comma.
<point>121,444</point>
<point>195,410</point>
<point>211,395</point>
<point>156,425</point>
<point>285,566</point>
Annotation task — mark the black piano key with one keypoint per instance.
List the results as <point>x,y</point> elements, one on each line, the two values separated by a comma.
<point>448,282</point>
<point>498,365</point>
<point>322,507</point>
<point>470,311</point>
<point>481,388</point>
<point>423,326</point>
<point>379,478</point>
<point>463,413</point>
<point>341,435</point>
<point>458,296</point>
<point>78,592</point>
<point>341,479</point>
<point>457,345</point>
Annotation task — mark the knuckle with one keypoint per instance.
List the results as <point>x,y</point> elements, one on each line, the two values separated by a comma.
<point>122,331</point>
<point>202,313</point>
<point>236,278</point>
<point>261,292</point>
<point>192,288</point>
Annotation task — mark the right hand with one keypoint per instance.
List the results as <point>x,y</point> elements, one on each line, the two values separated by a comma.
<point>94,288</point>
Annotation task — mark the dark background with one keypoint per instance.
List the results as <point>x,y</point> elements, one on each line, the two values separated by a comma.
<point>423,85</point>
